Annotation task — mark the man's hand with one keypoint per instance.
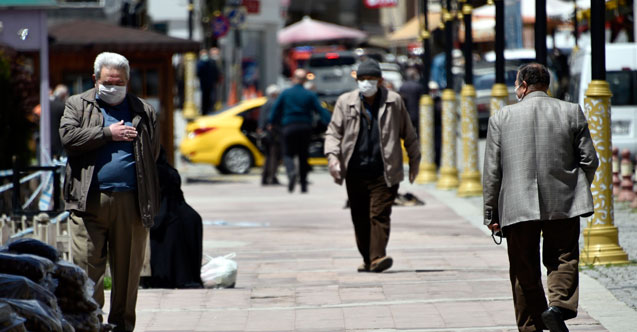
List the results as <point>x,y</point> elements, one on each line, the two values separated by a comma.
<point>122,132</point>
<point>335,169</point>
<point>494,226</point>
<point>413,173</point>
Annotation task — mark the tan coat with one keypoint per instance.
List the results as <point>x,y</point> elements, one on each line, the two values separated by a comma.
<point>394,125</point>
<point>539,162</point>
<point>82,134</point>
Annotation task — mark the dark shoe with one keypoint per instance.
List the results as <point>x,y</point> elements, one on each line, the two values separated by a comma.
<point>363,268</point>
<point>291,183</point>
<point>381,264</point>
<point>553,318</point>
<point>304,188</point>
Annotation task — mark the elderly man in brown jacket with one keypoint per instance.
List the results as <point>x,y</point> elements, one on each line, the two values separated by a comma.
<point>363,147</point>
<point>539,164</point>
<point>111,185</point>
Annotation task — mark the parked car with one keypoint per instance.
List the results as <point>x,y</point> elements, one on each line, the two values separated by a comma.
<point>332,74</point>
<point>621,75</point>
<point>391,74</point>
<point>228,139</point>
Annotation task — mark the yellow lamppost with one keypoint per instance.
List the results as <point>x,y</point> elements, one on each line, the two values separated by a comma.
<point>448,172</point>
<point>499,96</point>
<point>190,110</point>
<point>470,183</point>
<point>601,240</point>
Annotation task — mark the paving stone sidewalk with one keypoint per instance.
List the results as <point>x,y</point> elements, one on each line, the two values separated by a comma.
<point>297,267</point>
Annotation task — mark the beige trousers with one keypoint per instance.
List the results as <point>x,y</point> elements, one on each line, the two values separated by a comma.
<point>111,228</point>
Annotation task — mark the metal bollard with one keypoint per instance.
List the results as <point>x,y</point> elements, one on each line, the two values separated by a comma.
<point>615,165</point>
<point>626,193</point>
<point>448,171</point>
<point>427,172</point>
<point>470,184</point>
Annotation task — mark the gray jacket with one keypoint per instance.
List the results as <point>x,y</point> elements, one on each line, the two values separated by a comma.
<point>82,134</point>
<point>394,125</point>
<point>539,162</point>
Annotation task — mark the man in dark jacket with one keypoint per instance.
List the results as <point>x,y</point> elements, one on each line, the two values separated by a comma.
<point>111,185</point>
<point>294,110</point>
<point>411,91</point>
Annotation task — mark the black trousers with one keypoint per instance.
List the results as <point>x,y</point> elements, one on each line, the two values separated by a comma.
<point>370,202</point>
<point>272,157</point>
<point>560,256</point>
<point>296,143</point>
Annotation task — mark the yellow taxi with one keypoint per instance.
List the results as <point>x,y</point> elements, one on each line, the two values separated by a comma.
<point>229,141</point>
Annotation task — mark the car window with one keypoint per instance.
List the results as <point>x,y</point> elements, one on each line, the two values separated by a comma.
<point>330,61</point>
<point>622,85</point>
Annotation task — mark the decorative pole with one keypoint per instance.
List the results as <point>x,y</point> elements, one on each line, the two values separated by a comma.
<point>470,179</point>
<point>190,110</point>
<point>448,171</point>
<point>499,93</point>
<point>427,171</point>
<point>540,31</point>
<point>601,238</point>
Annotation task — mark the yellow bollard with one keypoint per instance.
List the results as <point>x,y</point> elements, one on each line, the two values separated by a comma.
<point>190,111</point>
<point>448,171</point>
<point>499,97</point>
<point>427,172</point>
<point>601,243</point>
<point>470,179</point>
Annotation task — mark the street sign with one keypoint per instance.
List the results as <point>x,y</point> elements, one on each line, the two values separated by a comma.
<point>380,3</point>
<point>253,6</point>
<point>220,26</point>
<point>236,16</point>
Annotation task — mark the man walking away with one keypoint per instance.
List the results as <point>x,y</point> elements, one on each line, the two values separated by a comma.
<point>271,138</point>
<point>293,111</point>
<point>363,147</point>
<point>539,164</point>
<point>111,185</point>
<point>411,91</point>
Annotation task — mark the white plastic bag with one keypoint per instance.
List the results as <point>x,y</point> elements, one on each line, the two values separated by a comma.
<point>219,272</point>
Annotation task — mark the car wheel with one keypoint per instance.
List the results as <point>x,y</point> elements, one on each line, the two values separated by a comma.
<point>236,160</point>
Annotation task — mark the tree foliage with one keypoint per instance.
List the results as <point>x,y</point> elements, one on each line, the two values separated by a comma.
<point>18,96</point>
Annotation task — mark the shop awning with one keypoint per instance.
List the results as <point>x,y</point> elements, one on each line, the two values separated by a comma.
<point>308,30</point>
<point>411,30</point>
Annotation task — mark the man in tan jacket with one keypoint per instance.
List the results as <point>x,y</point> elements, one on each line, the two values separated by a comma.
<point>363,147</point>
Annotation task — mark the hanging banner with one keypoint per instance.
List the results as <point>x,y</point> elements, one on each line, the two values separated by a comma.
<point>380,3</point>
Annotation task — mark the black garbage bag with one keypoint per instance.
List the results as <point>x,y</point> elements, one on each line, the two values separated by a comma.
<point>21,288</point>
<point>34,247</point>
<point>10,321</point>
<point>176,239</point>
<point>39,317</point>
<point>30,266</point>
<point>75,290</point>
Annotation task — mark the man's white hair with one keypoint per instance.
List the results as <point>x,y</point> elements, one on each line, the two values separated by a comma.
<point>272,90</point>
<point>111,60</point>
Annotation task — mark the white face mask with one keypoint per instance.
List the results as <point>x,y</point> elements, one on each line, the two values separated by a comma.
<point>368,87</point>
<point>111,94</point>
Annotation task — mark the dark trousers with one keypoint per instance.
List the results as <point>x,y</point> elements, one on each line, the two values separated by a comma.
<point>296,142</point>
<point>272,157</point>
<point>560,256</point>
<point>370,203</point>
